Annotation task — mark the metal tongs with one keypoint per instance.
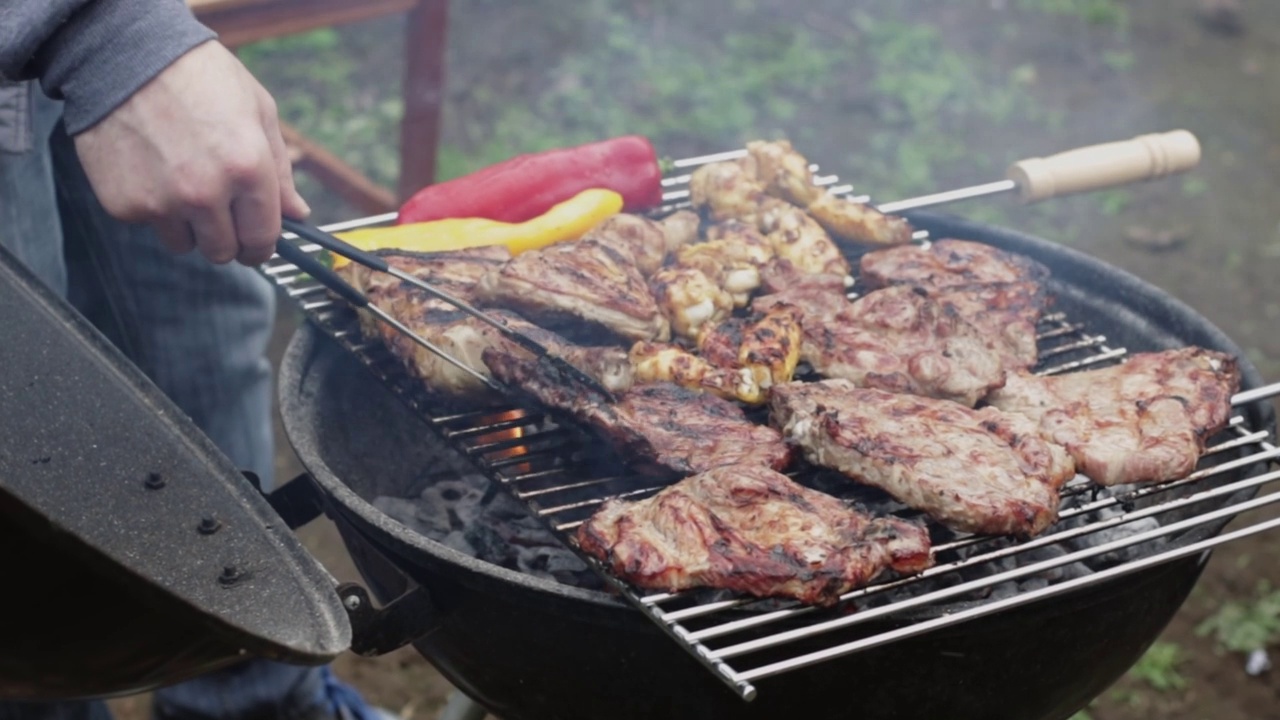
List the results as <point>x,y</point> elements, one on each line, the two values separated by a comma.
<point>334,282</point>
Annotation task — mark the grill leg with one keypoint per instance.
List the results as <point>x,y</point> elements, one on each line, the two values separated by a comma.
<point>461,707</point>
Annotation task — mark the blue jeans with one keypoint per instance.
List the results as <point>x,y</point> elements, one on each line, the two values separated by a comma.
<point>199,331</point>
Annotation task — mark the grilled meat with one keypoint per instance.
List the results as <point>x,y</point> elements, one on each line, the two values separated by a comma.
<point>979,471</point>
<point>739,359</point>
<point>785,174</point>
<point>798,239</point>
<point>1145,420</point>
<point>680,228</point>
<point>1004,313</point>
<point>816,296</point>
<point>664,362</point>
<point>659,427</point>
<point>639,238</point>
<point>435,320</point>
<point>688,299</point>
<point>734,249</point>
<point>948,262</point>
<point>752,530</point>
<point>858,222</point>
<point>460,335</point>
<point>897,339</point>
<point>727,190</point>
<point>569,286</point>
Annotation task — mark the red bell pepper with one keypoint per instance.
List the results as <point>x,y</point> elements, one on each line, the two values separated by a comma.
<point>527,186</point>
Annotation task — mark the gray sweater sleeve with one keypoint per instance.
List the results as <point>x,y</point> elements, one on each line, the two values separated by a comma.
<point>93,54</point>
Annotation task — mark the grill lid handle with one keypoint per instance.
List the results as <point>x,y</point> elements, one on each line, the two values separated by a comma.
<point>1094,167</point>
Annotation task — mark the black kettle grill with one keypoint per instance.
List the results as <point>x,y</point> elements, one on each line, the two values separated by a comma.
<point>130,538</point>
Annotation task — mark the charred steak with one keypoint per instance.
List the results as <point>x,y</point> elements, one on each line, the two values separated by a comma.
<point>752,530</point>
<point>659,427</point>
<point>978,471</point>
<point>947,262</point>
<point>1145,420</point>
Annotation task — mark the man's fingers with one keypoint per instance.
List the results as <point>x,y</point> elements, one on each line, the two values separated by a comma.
<point>175,235</point>
<point>291,203</point>
<point>257,222</point>
<point>215,234</point>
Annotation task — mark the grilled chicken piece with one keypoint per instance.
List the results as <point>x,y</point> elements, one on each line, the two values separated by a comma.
<point>727,190</point>
<point>859,222</point>
<point>660,427</point>
<point>688,299</point>
<point>948,262</point>
<point>754,531</point>
<point>641,239</point>
<point>736,250</point>
<point>979,471</point>
<point>900,340</point>
<point>785,174</point>
<point>572,286</point>
<point>664,362</point>
<point>1004,313</point>
<point>767,346</point>
<point>680,228</point>
<point>799,240</point>
<point>1145,420</point>
<point>738,359</point>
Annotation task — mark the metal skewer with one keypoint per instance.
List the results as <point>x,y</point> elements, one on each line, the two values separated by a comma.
<point>375,262</point>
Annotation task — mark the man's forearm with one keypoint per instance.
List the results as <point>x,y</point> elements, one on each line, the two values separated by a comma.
<point>93,54</point>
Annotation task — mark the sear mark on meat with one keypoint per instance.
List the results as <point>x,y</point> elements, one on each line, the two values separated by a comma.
<point>751,530</point>
<point>979,471</point>
<point>1005,314</point>
<point>948,262</point>
<point>582,289</point>
<point>896,339</point>
<point>1144,420</point>
<point>659,427</point>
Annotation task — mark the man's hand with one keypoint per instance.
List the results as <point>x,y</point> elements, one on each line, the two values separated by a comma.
<point>197,151</point>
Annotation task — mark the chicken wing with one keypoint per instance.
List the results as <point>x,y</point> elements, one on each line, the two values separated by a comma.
<point>688,299</point>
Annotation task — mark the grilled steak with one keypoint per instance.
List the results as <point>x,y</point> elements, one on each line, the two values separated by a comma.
<point>435,320</point>
<point>660,427</point>
<point>1004,313</point>
<point>898,339</point>
<point>462,336</point>
<point>979,471</point>
<point>1145,420</point>
<point>570,285</point>
<point>948,262</point>
<point>752,530</point>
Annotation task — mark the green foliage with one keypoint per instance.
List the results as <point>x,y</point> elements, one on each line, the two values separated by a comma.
<point>1246,626</point>
<point>1158,667</point>
<point>1114,202</point>
<point>1111,13</point>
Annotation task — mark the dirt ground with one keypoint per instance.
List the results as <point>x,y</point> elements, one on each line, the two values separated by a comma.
<point>1225,255</point>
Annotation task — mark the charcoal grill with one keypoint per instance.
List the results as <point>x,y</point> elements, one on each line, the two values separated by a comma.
<point>950,642</point>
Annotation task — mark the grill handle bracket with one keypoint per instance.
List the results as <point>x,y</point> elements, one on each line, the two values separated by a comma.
<point>378,631</point>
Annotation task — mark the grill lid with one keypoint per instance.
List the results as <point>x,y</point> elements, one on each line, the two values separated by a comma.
<point>124,533</point>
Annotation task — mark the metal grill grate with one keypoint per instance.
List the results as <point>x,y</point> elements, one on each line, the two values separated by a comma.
<point>562,477</point>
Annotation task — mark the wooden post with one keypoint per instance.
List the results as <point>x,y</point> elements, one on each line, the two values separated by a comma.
<point>425,48</point>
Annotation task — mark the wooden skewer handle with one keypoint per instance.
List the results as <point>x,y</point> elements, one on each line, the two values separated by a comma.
<point>1145,157</point>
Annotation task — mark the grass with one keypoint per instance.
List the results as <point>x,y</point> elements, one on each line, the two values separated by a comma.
<point>874,89</point>
<point>1248,625</point>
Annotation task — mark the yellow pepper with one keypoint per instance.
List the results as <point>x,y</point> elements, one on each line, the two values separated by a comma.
<point>569,220</point>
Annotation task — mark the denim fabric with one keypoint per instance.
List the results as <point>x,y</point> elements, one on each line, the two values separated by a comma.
<point>199,331</point>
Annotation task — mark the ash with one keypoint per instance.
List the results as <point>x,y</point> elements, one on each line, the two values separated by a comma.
<point>466,513</point>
